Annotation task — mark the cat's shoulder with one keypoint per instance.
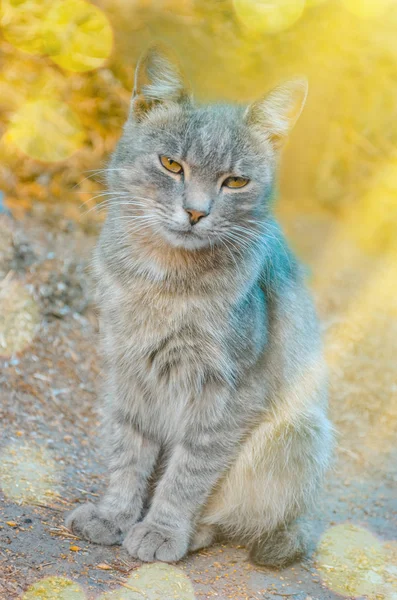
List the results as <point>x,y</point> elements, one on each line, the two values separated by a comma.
<point>281,266</point>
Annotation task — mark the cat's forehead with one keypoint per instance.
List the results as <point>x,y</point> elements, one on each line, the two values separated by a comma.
<point>211,138</point>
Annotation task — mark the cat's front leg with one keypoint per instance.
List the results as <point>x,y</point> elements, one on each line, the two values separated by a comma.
<point>132,456</point>
<point>194,468</point>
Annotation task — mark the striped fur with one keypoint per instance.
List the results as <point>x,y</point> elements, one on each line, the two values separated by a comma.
<point>215,395</point>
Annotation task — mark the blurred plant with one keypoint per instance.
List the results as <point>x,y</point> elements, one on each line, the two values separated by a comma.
<point>46,130</point>
<point>75,34</point>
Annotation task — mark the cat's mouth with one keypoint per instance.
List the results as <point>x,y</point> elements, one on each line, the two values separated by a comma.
<point>187,239</point>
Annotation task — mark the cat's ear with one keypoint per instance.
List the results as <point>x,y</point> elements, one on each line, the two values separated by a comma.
<point>276,113</point>
<point>158,80</point>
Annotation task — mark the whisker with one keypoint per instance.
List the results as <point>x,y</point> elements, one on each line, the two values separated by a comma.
<point>133,217</point>
<point>96,172</point>
<point>100,206</point>
<point>106,169</point>
<point>223,242</point>
<point>98,196</point>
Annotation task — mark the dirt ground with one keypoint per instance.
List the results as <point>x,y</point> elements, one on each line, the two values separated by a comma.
<point>49,458</point>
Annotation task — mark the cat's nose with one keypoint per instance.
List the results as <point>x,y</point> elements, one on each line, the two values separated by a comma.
<point>195,215</point>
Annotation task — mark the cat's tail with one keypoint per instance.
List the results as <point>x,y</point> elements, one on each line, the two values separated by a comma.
<point>282,546</point>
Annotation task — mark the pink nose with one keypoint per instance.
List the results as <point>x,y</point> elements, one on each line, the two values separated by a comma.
<point>195,215</point>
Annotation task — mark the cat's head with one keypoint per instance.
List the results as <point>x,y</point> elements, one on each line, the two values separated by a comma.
<point>198,175</point>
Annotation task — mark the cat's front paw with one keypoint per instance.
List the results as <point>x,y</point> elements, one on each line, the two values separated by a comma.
<point>87,522</point>
<point>149,542</point>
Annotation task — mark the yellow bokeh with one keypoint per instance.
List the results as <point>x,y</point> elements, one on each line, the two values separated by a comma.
<point>22,23</point>
<point>156,581</point>
<point>310,3</point>
<point>22,81</point>
<point>19,317</point>
<point>376,228</point>
<point>367,9</point>
<point>54,588</point>
<point>76,34</point>
<point>45,129</point>
<point>268,16</point>
<point>28,474</point>
<point>176,7</point>
<point>353,562</point>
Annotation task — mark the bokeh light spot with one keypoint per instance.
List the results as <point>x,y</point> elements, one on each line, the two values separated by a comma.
<point>268,16</point>
<point>45,81</point>
<point>310,3</point>
<point>22,23</point>
<point>46,130</point>
<point>155,581</point>
<point>376,229</point>
<point>367,9</point>
<point>54,588</point>
<point>19,317</point>
<point>353,562</point>
<point>78,36</point>
<point>28,474</point>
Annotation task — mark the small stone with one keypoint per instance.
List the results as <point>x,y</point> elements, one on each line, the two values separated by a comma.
<point>104,567</point>
<point>11,524</point>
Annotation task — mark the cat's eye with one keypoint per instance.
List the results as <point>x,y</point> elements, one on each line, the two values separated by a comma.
<point>171,165</point>
<point>235,182</point>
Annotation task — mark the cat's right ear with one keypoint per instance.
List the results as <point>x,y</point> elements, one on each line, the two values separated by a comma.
<point>274,115</point>
<point>158,80</point>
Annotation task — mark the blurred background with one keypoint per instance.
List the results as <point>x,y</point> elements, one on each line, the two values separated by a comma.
<point>66,75</point>
<point>67,71</point>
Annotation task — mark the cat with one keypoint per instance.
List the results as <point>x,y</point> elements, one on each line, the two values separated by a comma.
<point>215,398</point>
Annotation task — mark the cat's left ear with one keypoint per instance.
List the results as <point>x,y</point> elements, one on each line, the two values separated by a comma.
<point>276,114</point>
<point>158,80</point>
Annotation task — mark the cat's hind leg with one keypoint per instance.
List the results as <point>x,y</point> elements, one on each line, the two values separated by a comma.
<point>282,546</point>
<point>273,482</point>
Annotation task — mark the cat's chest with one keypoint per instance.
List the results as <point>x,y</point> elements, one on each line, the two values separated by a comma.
<point>178,340</point>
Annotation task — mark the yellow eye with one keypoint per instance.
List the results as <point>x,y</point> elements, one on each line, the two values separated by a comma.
<point>171,165</point>
<point>235,182</point>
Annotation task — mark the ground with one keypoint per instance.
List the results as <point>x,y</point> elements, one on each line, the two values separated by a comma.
<point>50,459</point>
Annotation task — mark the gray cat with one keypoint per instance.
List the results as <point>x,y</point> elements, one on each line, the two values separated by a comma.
<point>216,396</point>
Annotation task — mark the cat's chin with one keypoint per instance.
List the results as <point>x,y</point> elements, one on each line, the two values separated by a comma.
<point>185,240</point>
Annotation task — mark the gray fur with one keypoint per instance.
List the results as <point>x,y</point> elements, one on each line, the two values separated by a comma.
<point>215,396</point>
